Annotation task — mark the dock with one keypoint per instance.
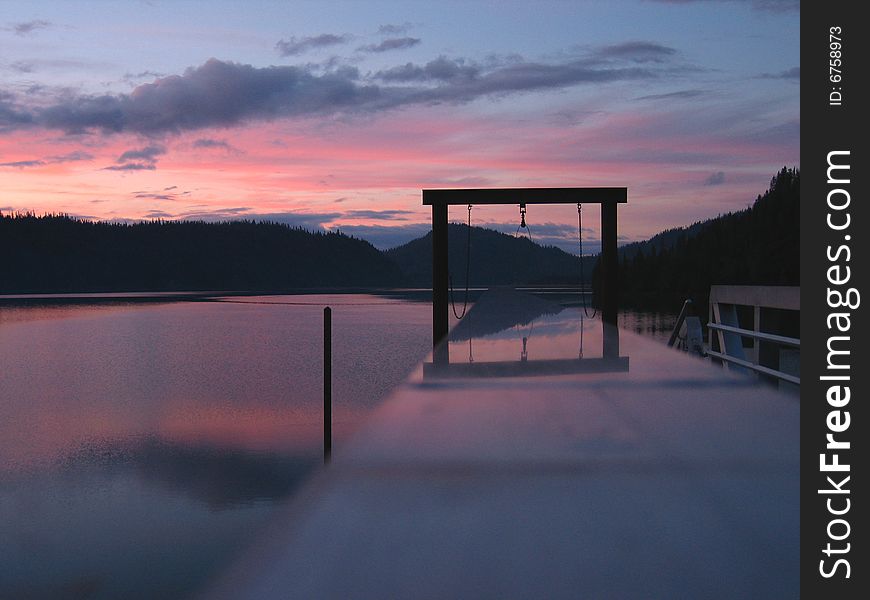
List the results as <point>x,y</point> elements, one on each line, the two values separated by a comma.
<point>520,471</point>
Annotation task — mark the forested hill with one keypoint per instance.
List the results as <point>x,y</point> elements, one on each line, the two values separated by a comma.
<point>756,246</point>
<point>496,259</point>
<point>61,254</point>
<point>55,254</point>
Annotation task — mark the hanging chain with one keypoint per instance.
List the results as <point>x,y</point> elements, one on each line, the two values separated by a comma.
<point>457,314</point>
<point>523,224</point>
<point>582,271</point>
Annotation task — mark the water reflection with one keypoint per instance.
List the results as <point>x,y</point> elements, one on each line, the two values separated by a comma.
<point>220,477</point>
<point>143,446</point>
<point>656,325</point>
<point>511,334</point>
<point>501,309</point>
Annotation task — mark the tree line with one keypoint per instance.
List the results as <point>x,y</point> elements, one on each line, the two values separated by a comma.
<point>58,253</point>
<point>756,246</point>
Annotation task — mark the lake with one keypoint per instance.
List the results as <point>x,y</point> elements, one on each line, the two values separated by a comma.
<point>143,446</point>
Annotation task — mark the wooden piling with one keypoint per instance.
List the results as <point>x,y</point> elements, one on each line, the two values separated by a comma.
<point>327,383</point>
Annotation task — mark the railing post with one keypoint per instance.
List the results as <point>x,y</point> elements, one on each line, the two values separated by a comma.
<point>327,383</point>
<point>682,317</point>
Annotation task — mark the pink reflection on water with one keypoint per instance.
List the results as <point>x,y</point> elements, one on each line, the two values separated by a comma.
<point>241,376</point>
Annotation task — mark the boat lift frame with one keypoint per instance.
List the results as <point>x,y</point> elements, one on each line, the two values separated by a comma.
<point>441,199</point>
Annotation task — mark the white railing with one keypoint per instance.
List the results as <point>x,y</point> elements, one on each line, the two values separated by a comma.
<point>725,339</point>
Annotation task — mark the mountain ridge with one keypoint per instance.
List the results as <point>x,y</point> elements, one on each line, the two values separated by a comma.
<point>61,254</point>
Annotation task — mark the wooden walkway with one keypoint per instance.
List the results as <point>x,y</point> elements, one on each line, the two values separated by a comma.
<point>669,479</point>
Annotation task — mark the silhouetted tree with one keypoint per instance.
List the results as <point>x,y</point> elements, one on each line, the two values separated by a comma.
<point>756,246</point>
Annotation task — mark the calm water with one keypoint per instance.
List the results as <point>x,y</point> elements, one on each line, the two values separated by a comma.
<point>652,324</point>
<point>144,446</point>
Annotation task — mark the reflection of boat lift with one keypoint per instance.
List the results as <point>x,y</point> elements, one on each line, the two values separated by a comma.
<point>524,353</point>
<point>610,360</point>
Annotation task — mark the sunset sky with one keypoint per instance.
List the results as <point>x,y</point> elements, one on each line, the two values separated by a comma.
<point>336,114</point>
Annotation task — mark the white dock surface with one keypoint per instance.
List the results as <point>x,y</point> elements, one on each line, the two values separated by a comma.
<point>674,479</point>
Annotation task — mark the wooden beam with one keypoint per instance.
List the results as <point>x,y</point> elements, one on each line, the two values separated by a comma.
<point>440,318</point>
<point>609,264</point>
<point>508,196</point>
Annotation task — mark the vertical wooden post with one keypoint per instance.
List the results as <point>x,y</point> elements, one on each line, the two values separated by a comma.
<point>440,322</point>
<point>327,383</point>
<point>609,340</point>
<point>609,263</point>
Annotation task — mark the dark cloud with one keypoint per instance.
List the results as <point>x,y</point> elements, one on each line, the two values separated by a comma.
<point>24,164</point>
<point>393,29</point>
<point>76,156</point>
<point>167,193</point>
<point>139,159</point>
<point>717,178</point>
<point>640,52</point>
<point>300,45</point>
<point>391,44</point>
<point>213,95</point>
<point>28,27</point>
<point>794,73</point>
<point>147,196</point>
<point>210,143</point>
<point>681,95</point>
<point>398,215</point>
<point>440,69</point>
<point>142,75</point>
<point>224,94</point>
<point>132,166</point>
<point>146,154</point>
<point>11,116</point>
<point>525,77</point>
<point>213,144</point>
